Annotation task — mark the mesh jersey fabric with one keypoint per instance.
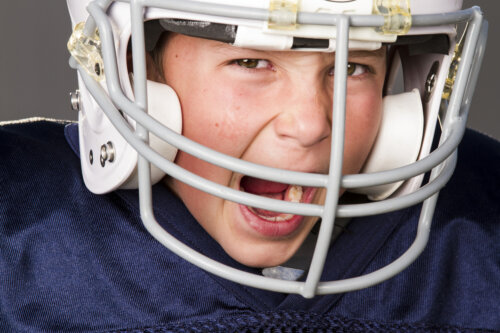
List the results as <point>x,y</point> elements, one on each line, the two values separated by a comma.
<point>73,261</point>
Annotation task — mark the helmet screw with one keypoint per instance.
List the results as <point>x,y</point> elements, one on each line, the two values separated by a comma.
<point>75,100</point>
<point>91,157</point>
<point>431,81</point>
<point>97,69</point>
<point>107,153</point>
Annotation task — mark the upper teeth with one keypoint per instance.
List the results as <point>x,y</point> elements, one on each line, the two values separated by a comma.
<point>294,193</point>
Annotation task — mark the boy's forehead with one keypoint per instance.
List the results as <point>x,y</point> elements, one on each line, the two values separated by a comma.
<point>379,53</point>
<point>229,49</point>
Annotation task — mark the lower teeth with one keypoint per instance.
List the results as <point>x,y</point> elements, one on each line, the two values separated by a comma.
<point>278,218</point>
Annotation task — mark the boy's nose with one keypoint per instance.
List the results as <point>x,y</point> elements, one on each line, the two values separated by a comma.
<point>305,117</point>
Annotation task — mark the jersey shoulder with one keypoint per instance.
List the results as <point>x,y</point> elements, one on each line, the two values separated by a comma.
<point>70,258</point>
<point>472,192</point>
<point>31,139</point>
<point>36,158</point>
<point>453,283</point>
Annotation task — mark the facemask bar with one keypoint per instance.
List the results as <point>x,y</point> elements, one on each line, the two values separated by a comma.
<point>439,176</point>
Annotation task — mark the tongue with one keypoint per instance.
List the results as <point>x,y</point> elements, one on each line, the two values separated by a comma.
<point>261,187</point>
<point>264,188</point>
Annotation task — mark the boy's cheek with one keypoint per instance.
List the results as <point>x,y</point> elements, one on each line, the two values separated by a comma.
<point>362,122</point>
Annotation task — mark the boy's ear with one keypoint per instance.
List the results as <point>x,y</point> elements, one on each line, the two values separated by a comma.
<point>153,73</point>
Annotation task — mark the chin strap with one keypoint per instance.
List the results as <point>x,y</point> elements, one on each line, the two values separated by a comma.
<point>398,141</point>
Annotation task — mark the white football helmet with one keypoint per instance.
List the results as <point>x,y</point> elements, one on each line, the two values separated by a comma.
<point>118,111</point>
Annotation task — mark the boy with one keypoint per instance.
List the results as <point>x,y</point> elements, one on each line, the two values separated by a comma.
<point>72,259</point>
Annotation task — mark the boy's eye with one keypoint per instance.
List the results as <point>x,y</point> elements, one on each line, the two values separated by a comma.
<point>354,69</point>
<point>252,63</point>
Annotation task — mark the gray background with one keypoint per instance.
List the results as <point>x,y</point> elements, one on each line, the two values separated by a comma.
<point>35,78</point>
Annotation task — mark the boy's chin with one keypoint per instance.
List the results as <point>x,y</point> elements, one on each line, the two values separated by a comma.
<point>260,261</point>
<point>261,253</point>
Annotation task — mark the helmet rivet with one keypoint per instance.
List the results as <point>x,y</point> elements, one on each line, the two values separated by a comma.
<point>430,82</point>
<point>91,157</point>
<point>97,69</point>
<point>75,100</point>
<point>107,153</point>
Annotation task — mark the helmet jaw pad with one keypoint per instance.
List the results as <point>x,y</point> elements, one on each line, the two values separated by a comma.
<point>398,141</point>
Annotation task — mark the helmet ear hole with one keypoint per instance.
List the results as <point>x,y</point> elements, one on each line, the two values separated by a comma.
<point>394,81</point>
<point>398,141</point>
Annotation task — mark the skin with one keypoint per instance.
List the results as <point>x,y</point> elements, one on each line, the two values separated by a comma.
<point>277,114</point>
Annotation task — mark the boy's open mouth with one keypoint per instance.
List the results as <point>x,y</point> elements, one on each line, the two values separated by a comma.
<point>274,190</point>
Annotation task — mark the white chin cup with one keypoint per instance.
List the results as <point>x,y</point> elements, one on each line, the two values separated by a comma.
<point>398,141</point>
<point>164,106</point>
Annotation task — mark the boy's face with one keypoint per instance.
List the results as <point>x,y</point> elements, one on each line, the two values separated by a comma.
<point>272,108</point>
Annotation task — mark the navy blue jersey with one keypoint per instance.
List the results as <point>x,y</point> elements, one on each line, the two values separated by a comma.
<point>73,261</point>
